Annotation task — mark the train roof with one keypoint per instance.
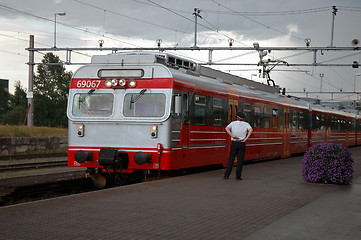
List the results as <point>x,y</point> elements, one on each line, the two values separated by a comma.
<point>187,69</point>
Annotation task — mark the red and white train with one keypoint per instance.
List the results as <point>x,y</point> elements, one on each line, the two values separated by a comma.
<point>132,113</point>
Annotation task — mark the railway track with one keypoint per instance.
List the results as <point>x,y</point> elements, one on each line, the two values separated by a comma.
<point>27,165</point>
<point>33,156</point>
<point>32,177</point>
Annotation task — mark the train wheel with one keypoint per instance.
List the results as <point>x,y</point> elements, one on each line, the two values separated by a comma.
<point>98,180</point>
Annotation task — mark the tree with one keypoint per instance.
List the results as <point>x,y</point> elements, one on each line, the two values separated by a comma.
<point>17,106</point>
<point>4,99</point>
<point>51,87</point>
<point>4,102</point>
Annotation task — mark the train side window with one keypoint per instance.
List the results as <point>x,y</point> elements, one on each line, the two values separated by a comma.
<point>185,108</point>
<point>302,124</point>
<point>294,119</point>
<point>247,112</point>
<point>343,124</point>
<point>323,122</point>
<point>217,112</point>
<point>257,115</point>
<point>335,124</point>
<point>200,110</point>
<point>317,121</point>
<point>236,111</point>
<point>266,116</point>
<point>230,113</point>
<point>332,122</point>
<point>351,125</point>
<point>358,125</point>
<point>274,118</point>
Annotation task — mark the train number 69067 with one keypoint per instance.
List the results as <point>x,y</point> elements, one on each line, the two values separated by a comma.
<point>88,84</point>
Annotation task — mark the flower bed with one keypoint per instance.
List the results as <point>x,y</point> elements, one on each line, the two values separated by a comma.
<point>328,163</point>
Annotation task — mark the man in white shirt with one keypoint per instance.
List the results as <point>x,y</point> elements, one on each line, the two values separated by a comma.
<point>239,131</point>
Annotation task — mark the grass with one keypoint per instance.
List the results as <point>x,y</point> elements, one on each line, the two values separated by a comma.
<point>25,131</point>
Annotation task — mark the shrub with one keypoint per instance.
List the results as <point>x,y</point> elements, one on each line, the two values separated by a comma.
<point>328,163</point>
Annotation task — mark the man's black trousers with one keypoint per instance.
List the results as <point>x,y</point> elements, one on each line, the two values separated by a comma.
<point>237,149</point>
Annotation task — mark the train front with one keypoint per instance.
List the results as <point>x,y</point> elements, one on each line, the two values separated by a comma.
<point>118,110</point>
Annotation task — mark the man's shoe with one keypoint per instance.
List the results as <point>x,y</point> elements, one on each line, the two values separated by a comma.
<point>240,178</point>
<point>226,178</point>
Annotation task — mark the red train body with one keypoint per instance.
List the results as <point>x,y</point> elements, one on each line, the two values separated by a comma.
<point>154,111</point>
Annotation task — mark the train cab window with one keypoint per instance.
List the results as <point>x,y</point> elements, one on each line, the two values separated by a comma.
<point>217,112</point>
<point>199,110</point>
<point>93,105</point>
<point>144,105</point>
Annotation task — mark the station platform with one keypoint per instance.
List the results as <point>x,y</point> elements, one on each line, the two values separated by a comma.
<point>272,202</point>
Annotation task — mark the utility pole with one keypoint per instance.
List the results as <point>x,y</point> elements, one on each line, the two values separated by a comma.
<point>334,11</point>
<point>196,15</point>
<point>30,94</point>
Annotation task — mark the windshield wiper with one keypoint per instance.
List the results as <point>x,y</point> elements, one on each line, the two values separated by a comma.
<point>137,97</point>
<point>82,98</point>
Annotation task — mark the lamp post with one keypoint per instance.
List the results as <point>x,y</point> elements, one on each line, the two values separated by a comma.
<point>321,76</point>
<point>60,14</point>
<point>354,81</point>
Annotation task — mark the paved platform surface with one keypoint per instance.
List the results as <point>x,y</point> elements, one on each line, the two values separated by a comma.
<point>272,202</point>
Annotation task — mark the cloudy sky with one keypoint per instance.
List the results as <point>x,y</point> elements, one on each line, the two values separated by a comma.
<point>139,23</point>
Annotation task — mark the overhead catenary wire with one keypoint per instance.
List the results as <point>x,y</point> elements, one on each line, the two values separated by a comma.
<point>64,24</point>
<point>250,13</point>
<point>126,16</point>
<point>255,21</point>
<point>207,24</point>
<point>189,19</point>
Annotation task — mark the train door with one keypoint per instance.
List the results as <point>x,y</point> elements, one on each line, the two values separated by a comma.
<point>286,133</point>
<point>232,113</point>
<point>232,109</point>
<point>184,141</point>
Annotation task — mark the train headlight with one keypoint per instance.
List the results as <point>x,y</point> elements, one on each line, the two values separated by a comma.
<point>154,131</point>
<point>80,130</point>
<point>132,83</point>
<point>108,83</point>
<point>122,82</point>
<point>114,82</point>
